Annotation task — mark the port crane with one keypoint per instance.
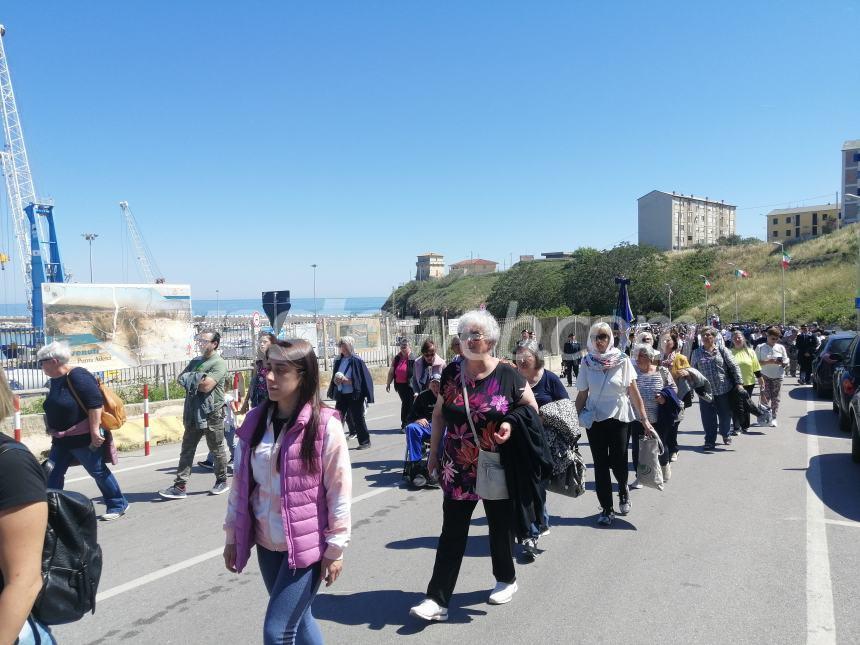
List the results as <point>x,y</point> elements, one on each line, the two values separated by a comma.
<point>145,259</point>
<point>35,232</point>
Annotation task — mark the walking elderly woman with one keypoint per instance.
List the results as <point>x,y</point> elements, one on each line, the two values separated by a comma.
<point>721,371</point>
<point>651,380</point>
<point>493,389</point>
<point>73,413</point>
<point>607,385</point>
<point>750,368</point>
<point>773,358</point>
<point>400,373</point>
<point>351,385</point>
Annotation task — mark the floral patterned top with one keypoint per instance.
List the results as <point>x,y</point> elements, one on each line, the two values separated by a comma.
<point>490,399</point>
<point>259,391</point>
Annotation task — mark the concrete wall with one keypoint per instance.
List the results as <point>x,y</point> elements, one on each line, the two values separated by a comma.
<point>655,220</point>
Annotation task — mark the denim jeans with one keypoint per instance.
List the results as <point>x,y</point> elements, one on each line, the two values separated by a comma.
<point>717,413</point>
<point>415,435</point>
<point>35,633</point>
<point>291,592</point>
<point>93,464</point>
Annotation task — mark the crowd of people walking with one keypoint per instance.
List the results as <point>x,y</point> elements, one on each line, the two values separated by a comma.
<point>474,426</point>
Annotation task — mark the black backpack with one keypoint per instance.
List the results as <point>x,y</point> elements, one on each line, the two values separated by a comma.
<point>71,557</point>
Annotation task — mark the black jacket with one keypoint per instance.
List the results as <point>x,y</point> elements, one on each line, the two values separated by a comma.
<point>362,383</point>
<point>527,461</point>
<point>422,407</point>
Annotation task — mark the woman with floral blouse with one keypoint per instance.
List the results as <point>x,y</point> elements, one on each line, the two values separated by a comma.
<point>493,388</point>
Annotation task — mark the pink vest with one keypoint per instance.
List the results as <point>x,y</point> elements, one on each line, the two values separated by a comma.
<point>304,510</point>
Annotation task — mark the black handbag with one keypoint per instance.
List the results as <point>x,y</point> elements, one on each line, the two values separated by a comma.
<point>571,481</point>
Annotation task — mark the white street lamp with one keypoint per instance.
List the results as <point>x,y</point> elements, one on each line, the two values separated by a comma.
<point>782,264</point>
<point>89,237</point>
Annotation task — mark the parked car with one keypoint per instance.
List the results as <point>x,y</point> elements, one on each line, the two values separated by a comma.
<point>822,363</point>
<point>846,393</point>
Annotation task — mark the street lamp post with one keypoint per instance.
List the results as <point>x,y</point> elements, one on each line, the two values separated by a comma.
<point>217,304</point>
<point>89,237</point>
<point>669,287</point>
<point>737,318</point>
<point>857,299</point>
<point>705,278</point>
<point>314,267</point>
<point>782,264</point>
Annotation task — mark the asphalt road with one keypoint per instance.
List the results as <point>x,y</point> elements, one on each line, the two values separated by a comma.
<point>755,543</point>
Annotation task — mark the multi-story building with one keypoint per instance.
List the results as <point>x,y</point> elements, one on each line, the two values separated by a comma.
<point>850,181</point>
<point>672,221</point>
<point>786,224</point>
<point>429,266</point>
<point>474,267</point>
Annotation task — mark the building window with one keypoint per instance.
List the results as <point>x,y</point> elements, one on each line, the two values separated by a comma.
<point>857,156</point>
<point>814,230</point>
<point>775,220</point>
<point>823,216</point>
<point>776,233</point>
<point>788,233</point>
<point>814,219</point>
<point>689,238</point>
<point>797,232</point>
<point>788,220</point>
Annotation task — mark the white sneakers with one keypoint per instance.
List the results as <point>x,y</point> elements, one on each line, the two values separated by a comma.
<point>503,593</point>
<point>773,423</point>
<point>429,610</point>
<point>667,472</point>
<point>636,485</point>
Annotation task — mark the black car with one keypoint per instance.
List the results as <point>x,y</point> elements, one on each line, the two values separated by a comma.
<point>823,363</point>
<point>846,393</point>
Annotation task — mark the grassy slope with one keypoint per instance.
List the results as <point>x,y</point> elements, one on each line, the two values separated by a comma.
<point>820,283</point>
<point>456,294</point>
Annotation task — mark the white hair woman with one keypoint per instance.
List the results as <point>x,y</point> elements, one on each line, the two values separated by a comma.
<point>650,381</point>
<point>351,385</point>
<point>607,385</point>
<point>73,413</point>
<point>493,388</point>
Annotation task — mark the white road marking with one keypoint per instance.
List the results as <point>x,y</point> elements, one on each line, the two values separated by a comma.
<point>197,559</point>
<point>384,416</point>
<point>848,523</point>
<point>139,466</point>
<point>820,620</point>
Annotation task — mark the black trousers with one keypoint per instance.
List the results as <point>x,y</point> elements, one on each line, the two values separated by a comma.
<point>352,411</point>
<point>404,391</point>
<point>571,370</point>
<point>456,515</point>
<point>805,367</point>
<point>740,412</point>
<point>608,443</point>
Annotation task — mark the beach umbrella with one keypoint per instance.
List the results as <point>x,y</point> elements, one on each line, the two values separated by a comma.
<point>623,313</point>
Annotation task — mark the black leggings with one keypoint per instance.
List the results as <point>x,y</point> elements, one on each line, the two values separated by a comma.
<point>352,411</point>
<point>456,515</point>
<point>740,412</point>
<point>608,443</point>
<point>404,391</point>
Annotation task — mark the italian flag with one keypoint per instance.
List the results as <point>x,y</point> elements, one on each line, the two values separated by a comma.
<point>786,260</point>
<point>740,273</point>
<point>707,284</point>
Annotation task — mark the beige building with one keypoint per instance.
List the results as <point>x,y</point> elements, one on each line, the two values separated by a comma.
<point>429,266</point>
<point>785,224</point>
<point>474,267</point>
<point>672,221</point>
<point>851,181</point>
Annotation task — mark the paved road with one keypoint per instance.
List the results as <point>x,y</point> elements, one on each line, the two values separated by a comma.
<point>757,543</point>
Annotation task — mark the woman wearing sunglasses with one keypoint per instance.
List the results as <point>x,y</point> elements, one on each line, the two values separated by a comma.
<point>607,386</point>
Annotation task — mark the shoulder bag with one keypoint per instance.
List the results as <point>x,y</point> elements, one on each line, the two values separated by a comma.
<point>491,482</point>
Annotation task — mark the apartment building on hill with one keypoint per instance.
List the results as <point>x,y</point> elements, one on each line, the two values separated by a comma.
<point>672,221</point>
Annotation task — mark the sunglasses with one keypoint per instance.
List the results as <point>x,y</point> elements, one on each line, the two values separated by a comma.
<point>472,335</point>
<point>602,337</point>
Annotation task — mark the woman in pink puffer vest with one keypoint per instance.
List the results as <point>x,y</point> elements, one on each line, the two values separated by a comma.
<point>291,493</point>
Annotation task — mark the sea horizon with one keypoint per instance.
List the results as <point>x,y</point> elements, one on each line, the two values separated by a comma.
<point>351,306</point>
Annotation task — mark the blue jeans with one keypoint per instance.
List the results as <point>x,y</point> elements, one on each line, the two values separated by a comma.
<point>718,412</point>
<point>93,464</point>
<point>35,633</point>
<point>288,617</point>
<point>415,435</point>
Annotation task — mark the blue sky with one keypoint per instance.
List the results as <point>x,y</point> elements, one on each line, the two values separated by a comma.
<point>253,139</point>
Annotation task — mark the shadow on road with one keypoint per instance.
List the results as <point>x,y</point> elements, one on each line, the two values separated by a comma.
<point>801,393</point>
<point>840,481</point>
<point>820,422</point>
<point>477,546</point>
<point>377,609</point>
<point>384,472</point>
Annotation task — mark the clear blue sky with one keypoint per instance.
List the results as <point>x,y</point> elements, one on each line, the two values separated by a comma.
<point>253,139</point>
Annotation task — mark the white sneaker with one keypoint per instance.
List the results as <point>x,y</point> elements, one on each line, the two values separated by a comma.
<point>773,423</point>
<point>667,472</point>
<point>503,593</point>
<point>674,457</point>
<point>636,485</point>
<point>429,610</point>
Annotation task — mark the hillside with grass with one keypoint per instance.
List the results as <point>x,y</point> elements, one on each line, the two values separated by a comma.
<point>820,282</point>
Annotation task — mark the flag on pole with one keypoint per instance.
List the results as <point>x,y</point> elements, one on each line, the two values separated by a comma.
<point>740,273</point>
<point>707,284</point>
<point>786,260</point>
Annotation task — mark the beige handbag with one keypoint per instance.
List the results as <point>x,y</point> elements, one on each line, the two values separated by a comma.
<point>491,482</point>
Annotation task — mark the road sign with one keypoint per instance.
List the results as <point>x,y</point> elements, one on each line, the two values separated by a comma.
<point>255,320</point>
